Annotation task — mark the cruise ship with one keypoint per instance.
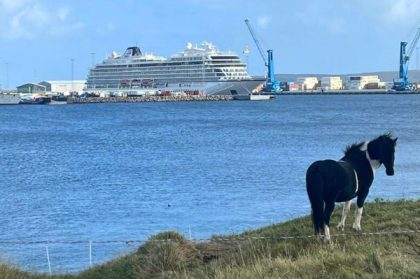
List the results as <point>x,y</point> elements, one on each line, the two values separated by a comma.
<point>200,69</point>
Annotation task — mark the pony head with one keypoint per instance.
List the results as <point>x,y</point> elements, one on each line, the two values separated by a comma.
<point>383,149</point>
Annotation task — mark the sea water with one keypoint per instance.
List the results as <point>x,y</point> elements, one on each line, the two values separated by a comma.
<point>109,173</point>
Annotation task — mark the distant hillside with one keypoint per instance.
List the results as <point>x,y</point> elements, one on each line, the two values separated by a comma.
<point>387,76</point>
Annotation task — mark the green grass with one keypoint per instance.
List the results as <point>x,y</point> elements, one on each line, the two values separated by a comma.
<point>263,254</point>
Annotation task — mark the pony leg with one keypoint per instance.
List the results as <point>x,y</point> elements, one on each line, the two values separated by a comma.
<point>327,233</point>
<point>346,209</point>
<point>356,224</point>
<point>329,207</point>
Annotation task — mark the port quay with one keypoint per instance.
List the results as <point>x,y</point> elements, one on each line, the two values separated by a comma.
<point>212,98</point>
<point>200,98</point>
<point>78,100</point>
<point>91,100</point>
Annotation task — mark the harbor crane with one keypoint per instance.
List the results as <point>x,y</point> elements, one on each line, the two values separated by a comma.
<point>271,85</point>
<point>402,83</point>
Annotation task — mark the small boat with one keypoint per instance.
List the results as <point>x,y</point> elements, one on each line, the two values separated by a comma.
<point>9,98</point>
<point>253,97</point>
<point>59,98</point>
<point>38,99</point>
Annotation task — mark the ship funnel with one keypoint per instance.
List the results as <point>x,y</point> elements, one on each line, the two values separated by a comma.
<point>132,51</point>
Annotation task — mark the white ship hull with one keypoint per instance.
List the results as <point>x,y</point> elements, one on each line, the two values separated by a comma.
<point>243,87</point>
<point>9,99</point>
<point>254,97</point>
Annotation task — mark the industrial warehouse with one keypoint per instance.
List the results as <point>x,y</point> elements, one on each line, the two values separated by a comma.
<point>64,87</point>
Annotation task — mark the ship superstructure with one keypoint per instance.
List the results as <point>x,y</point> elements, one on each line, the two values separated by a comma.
<point>200,68</point>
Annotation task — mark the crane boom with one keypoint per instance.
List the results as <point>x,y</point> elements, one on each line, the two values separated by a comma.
<point>271,85</point>
<point>403,84</point>
<point>413,44</point>
<point>257,43</point>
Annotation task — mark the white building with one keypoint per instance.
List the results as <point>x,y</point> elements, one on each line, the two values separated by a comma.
<point>307,83</point>
<point>64,86</point>
<point>331,83</point>
<point>363,82</point>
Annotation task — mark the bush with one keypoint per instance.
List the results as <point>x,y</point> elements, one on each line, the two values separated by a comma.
<point>164,254</point>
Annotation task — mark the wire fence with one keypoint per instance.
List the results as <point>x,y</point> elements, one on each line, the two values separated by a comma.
<point>231,238</point>
<point>88,244</point>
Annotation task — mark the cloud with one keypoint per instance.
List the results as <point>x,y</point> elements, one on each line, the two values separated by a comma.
<point>390,14</point>
<point>336,25</point>
<point>27,19</point>
<point>110,26</point>
<point>330,17</point>
<point>403,10</point>
<point>11,4</point>
<point>63,13</point>
<point>263,21</point>
<point>339,16</point>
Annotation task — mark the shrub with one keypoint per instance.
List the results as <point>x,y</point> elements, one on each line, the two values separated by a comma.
<point>164,254</point>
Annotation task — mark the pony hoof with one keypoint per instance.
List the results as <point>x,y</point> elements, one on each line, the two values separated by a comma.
<point>340,227</point>
<point>357,227</point>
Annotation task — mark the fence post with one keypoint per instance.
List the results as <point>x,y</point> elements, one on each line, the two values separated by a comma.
<point>90,252</point>
<point>48,259</point>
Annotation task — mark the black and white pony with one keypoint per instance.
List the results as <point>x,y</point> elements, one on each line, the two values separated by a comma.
<point>328,181</point>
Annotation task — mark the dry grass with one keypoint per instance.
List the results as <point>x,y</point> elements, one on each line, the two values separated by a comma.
<point>164,255</point>
<point>170,255</point>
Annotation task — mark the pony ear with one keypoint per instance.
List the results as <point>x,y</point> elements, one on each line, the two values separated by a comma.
<point>395,140</point>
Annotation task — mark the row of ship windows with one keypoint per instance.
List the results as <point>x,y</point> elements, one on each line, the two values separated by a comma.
<point>175,76</point>
<point>116,83</point>
<point>201,59</point>
<point>171,74</point>
<point>169,71</point>
<point>201,64</point>
<point>187,58</point>
<point>218,76</point>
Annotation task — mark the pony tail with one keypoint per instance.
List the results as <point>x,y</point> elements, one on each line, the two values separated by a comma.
<point>314,187</point>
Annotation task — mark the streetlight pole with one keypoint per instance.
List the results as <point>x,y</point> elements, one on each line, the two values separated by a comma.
<point>72,74</point>
<point>6,67</point>
<point>93,58</point>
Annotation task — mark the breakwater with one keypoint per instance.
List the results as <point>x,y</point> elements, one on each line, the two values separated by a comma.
<point>78,100</point>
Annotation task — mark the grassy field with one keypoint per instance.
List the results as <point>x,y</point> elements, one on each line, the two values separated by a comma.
<point>263,253</point>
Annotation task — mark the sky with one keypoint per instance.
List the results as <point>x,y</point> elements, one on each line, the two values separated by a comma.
<point>39,39</point>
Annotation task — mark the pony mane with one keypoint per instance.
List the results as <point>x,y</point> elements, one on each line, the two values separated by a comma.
<point>352,148</point>
<point>387,136</point>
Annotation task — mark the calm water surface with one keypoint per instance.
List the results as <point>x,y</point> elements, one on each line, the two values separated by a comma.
<point>127,171</point>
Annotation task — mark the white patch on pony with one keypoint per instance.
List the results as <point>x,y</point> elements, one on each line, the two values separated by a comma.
<point>356,224</point>
<point>374,164</point>
<point>357,181</point>
<point>346,209</point>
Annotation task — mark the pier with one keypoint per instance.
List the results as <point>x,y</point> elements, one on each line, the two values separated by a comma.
<point>190,98</point>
